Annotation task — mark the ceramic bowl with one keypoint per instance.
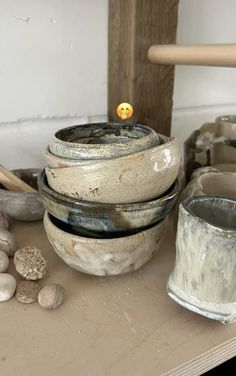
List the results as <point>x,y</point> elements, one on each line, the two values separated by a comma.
<point>222,167</point>
<point>132,178</point>
<point>23,206</point>
<point>58,162</point>
<point>105,218</point>
<point>103,257</point>
<point>212,183</point>
<point>203,279</point>
<point>102,140</point>
<point>206,146</point>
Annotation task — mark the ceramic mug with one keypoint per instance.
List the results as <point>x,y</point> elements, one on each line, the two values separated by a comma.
<point>203,279</point>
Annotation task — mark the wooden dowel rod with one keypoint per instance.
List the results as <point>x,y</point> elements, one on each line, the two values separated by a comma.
<point>12,182</point>
<point>218,55</point>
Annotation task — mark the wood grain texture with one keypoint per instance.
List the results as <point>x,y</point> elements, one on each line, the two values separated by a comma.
<point>134,25</point>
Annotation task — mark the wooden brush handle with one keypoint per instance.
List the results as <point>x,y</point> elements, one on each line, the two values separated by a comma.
<point>12,182</point>
<point>218,55</point>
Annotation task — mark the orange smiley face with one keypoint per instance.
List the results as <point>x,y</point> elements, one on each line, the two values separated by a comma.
<point>124,111</point>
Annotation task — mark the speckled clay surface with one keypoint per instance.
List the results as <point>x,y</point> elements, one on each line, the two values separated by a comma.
<point>212,183</point>
<point>104,257</point>
<point>106,217</point>
<point>203,279</point>
<point>133,178</point>
<point>23,206</point>
<point>102,140</point>
<point>223,167</point>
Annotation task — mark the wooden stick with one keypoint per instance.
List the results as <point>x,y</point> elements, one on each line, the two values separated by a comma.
<point>12,182</point>
<point>218,55</point>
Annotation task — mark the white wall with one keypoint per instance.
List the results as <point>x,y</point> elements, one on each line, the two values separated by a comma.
<point>202,93</point>
<point>53,63</point>
<point>53,58</point>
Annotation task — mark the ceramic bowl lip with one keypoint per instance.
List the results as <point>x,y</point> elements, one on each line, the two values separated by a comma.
<point>165,142</point>
<point>44,189</point>
<point>58,136</point>
<point>187,201</point>
<point>14,194</point>
<point>47,217</point>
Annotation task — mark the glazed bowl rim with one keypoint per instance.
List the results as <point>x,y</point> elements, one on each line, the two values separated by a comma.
<point>69,144</point>
<point>185,205</point>
<point>166,141</point>
<point>44,189</point>
<point>87,239</point>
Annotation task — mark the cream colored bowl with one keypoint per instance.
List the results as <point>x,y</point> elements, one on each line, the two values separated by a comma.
<point>103,257</point>
<point>211,183</point>
<point>133,178</point>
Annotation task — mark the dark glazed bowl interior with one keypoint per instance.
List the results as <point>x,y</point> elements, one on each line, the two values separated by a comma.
<point>102,133</point>
<point>215,210</point>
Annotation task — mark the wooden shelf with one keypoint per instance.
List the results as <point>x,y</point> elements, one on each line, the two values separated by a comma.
<point>112,326</point>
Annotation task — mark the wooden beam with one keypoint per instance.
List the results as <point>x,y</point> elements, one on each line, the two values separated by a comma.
<point>135,25</point>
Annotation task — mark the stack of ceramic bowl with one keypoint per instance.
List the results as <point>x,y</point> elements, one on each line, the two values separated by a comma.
<point>107,190</point>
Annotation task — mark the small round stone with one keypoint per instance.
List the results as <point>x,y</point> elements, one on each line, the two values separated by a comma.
<point>51,296</point>
<point>4,261</point>
<point>30,263</point>
<point>7,286</point>
<point>3,221</point>
<point>7,242</point>
<point>27,292</point>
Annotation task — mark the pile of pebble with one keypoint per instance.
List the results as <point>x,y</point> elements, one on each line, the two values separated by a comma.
<point>32,266</point>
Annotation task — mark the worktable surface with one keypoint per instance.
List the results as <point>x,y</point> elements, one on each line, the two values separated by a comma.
<point>108,326</point>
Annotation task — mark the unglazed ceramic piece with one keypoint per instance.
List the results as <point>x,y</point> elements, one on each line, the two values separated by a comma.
<point>203,279</point>
<point>212,183</point>
<point>105,256</point>
<point>8,242</point>
<point>106,218</point>
<point>102,140</point>
<point>206,146</point>
<point>4,262</point>
<point>30,263</point>
<point>27,292</point>
<point>51,296</point>
<point>23,206</point>
<point>7,286</point>
<point>137,177</point>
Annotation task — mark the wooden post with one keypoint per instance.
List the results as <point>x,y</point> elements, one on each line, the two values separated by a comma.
<point>135,25</point>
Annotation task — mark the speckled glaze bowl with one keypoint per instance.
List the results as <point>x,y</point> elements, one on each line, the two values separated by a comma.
<point>211,183</point>
<point>132,178</point>
<point>23,206</point>
<point>203,279</point>
<point>102,140</point>
<point>105,256</point>
<point>223,167</point>
<point>106,218</point>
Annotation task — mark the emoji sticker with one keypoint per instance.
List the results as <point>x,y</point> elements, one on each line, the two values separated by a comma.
<point>124,111</point>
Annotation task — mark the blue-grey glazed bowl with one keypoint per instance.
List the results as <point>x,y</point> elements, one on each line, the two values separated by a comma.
<point>106,218</point>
